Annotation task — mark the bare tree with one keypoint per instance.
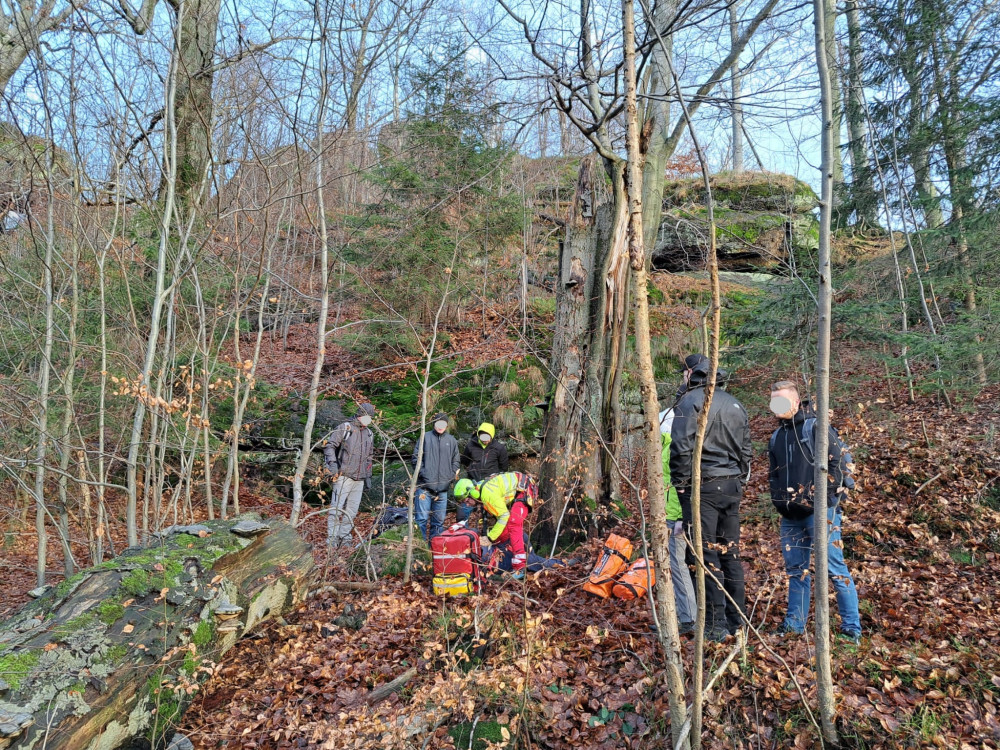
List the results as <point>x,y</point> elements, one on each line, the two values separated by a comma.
<point>22,25</point>
<point>735,86</point>
<point>824,674</point>
<point>321,19</point>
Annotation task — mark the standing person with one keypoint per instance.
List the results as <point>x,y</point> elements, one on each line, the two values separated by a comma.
<point>509,498</point>
<point>348,456</point>
<point>684,596</point>
<point>438,468</point>
<point>791,452</point>
<point>483,457</point>
<point>725,462</point>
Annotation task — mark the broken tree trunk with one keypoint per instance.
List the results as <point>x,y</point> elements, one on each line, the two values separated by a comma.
<point>113,654</point>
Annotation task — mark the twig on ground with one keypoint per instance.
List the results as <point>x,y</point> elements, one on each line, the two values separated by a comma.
<point>921,487</point>
<point>384,691</point>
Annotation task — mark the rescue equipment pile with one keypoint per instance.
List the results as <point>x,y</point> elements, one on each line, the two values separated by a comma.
<point>613,574</point>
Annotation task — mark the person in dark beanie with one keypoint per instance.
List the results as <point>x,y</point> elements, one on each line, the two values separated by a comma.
<point>483,457</point>
<point>348,457</point>
<point>691,361</point>
<point>725,463</point>
<point>439,466</point>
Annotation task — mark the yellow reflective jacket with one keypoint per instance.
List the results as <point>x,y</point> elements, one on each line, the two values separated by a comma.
<point>499,491</point>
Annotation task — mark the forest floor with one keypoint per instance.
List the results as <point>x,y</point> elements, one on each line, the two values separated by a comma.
<point>546,661</point>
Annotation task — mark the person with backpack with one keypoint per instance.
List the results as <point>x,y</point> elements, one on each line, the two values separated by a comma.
<point>725,464</point>
<point>483,457</point>
<point>684,596</point>
<point>509,498</point>
<point>439,466</point>
<point>791,453</point>
<point>348,457</point>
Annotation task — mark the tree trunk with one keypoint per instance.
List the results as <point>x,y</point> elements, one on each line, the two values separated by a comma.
<point>575,447</point>
<point>737,123</point>
<point>824,674</point>
<point>320,226</point>
<point>122,642</point>
<point>666,612</point>
<point>833,68</point>
<point>656,121</point>
<point>194,49</point>
<point>954,143</point>
<point>919,156</point>
<point>156,313</point>
<point>862,186</point>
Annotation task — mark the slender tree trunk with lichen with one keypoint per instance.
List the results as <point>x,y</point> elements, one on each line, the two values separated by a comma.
<point>88,664</point>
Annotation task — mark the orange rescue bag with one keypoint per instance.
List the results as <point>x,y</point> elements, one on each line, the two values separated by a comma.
<point>633,584</point>
<point>613,560</point>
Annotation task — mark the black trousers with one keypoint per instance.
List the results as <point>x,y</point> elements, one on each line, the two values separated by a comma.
<point>720,532</point>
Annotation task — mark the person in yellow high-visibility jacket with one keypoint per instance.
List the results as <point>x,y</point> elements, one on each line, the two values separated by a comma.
<point>508,497</point>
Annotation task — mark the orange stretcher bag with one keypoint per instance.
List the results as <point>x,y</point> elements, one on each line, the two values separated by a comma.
<point>633,583</point>
<point>613,560</point>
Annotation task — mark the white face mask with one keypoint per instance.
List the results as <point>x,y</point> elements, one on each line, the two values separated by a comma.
<point>780,405</point>
<point>484,437</point>
<point>365,419</point>
<point>441,425</point>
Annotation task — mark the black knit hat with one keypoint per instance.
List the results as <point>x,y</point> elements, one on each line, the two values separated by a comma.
<point>692,361</point>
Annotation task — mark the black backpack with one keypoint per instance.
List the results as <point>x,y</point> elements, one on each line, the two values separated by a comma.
<point>792,509</point>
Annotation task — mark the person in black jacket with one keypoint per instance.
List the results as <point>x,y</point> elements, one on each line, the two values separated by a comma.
<point>439,466</point>
<point>725,464</point>
<point>483,457</point>
<point>791,453</point>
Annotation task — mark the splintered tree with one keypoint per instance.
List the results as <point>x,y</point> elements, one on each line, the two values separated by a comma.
<point>582,432</point>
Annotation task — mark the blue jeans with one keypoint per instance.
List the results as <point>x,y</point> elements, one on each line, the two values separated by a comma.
<point>430,507</point>
<point>680,574</point>
<point>796,547</point>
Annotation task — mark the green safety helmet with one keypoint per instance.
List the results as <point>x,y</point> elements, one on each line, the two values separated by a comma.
<point>463,488</point>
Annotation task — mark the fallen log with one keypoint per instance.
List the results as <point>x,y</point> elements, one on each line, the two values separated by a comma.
<point>384,691</point>
<point>113,655</point>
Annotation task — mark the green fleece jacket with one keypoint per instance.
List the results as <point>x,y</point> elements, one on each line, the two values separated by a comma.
<point>673,502</point>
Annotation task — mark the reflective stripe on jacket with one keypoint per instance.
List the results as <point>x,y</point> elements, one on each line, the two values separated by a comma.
<point>498,492</point>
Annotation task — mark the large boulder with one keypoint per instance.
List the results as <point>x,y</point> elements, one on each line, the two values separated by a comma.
<point>761,218</point>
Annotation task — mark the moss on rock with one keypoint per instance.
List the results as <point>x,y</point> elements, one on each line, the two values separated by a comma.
<point>15,667</point>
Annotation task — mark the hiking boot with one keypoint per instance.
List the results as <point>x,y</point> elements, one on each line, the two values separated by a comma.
<point>683,628</point>
<point>717,634</point>
<point>850,637</point>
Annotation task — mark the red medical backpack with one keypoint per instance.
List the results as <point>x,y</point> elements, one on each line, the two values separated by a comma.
<point>456,553</point>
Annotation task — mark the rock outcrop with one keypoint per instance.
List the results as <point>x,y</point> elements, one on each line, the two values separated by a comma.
<point>763,220</point>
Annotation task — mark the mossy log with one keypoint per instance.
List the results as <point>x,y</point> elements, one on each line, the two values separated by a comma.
<point>110,657</point>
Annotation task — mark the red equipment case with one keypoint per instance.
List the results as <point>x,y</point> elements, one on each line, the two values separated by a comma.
<point>456,552</point>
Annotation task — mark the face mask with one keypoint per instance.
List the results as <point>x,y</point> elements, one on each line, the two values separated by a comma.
<point>484,437</point>
<point>441,425</point>
<point>780,405</point>
<point>365,419</point>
